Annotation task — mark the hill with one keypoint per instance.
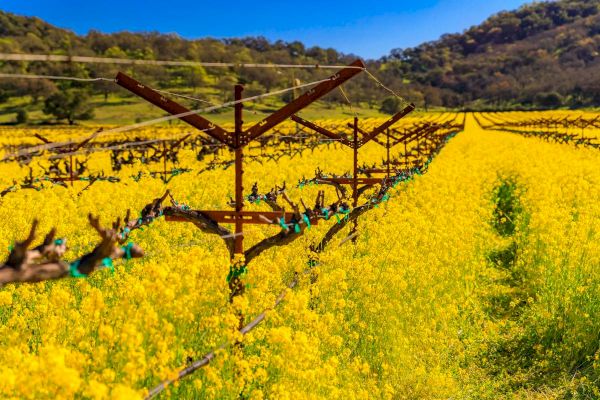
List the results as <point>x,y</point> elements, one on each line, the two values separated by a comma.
<point>542,55</point>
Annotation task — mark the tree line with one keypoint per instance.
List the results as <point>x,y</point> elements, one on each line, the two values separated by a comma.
<point>542,55</point>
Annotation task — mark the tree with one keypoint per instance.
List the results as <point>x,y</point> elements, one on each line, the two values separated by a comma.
<point>72,104</point>
<point>288,97</point>
<point>267,77</point>
<point>390,105</point>
<point>225,86</point>
<point>22,116</point>
<point>549,100</point>
<point>431,97</point>
<point>4,96</point>
<point>39,88</point>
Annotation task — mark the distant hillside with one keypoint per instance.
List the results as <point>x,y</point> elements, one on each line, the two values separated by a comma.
<point>20,34</point>
<point>541,55</point>
<point>544,53</point>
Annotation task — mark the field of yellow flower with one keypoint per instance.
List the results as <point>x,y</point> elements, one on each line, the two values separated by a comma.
<point>477,280</point>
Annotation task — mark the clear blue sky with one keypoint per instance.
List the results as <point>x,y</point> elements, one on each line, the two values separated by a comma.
<point>368,28</point>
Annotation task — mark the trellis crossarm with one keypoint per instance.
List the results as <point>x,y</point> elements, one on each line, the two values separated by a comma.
<point>175,108</point>
<point>386,124</point>
<point>303,101</point>
<point>249,217</point>
<point>322,131</point>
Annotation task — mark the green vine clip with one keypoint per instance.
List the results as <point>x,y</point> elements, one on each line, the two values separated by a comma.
<point>236,272</point>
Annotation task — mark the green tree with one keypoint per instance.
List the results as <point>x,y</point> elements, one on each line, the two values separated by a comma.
<point>22,116</point>
<point>549,100</point>
<point>390,105</point>
<point>72,104</point>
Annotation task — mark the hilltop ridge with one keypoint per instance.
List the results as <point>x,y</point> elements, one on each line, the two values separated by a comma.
<point>544,54</point>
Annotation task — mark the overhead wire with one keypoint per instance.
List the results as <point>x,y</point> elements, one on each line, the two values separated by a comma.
<point>183,96</point>
<point>374,78</point>
<point>129,61</point>
<point>118,146</point>
<point>126,128</point>
<point>100,79</point>
<point>111,60</point>
<point>34,57</point>
<point>348,100</point>
<point>55,77</point>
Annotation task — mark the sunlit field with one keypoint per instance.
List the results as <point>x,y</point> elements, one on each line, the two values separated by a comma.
<point>477,277</point>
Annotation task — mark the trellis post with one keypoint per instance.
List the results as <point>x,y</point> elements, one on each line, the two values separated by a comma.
<point>240,138</point>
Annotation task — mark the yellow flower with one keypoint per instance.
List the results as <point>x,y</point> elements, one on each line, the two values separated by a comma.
<point>430,302</point>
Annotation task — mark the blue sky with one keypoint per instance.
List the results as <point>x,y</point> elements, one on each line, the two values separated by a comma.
<point>368,28</point>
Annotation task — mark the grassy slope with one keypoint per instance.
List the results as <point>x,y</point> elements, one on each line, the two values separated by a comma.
<point>119,110</point>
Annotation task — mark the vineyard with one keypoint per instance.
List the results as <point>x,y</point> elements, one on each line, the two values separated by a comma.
<point>426,255</point>
<point>580,129</point>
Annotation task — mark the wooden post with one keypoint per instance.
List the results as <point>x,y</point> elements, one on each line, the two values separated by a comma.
<point>238,264</point>
<point>236,141</point>
<point>388,152</point>
<point>71,163</point>
<point>239,172</point>
<point>405,155</point>
<point>164,161</point>
<point>355,179</point>
<point>355,174</point>
<point>356,144</point>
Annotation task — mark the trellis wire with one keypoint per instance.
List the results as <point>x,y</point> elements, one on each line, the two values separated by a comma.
<point>55,77</point>
<point>108,60</point>
<point>166,118</point>
<point>374,78</point>
<point>118,146</point>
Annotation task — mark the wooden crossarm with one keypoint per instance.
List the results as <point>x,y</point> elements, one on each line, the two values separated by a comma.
<point>386,124</point>
<point>404,138</point>
<point>350,181</point>
<point>374,170</point>
<point>426,132</point>
<point>43,139</point>
<point>370,136</point>
<point>301,102</point>
<point>249,217</point>
<point>360,130</point>
<point>589,122</point>
<point>396,138</point>
<point>413,135</point>
<point>380,142</point>
<point>174,108</point>
<point>81,144</point>
<point>322,131</point>
<point>177,143</point>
